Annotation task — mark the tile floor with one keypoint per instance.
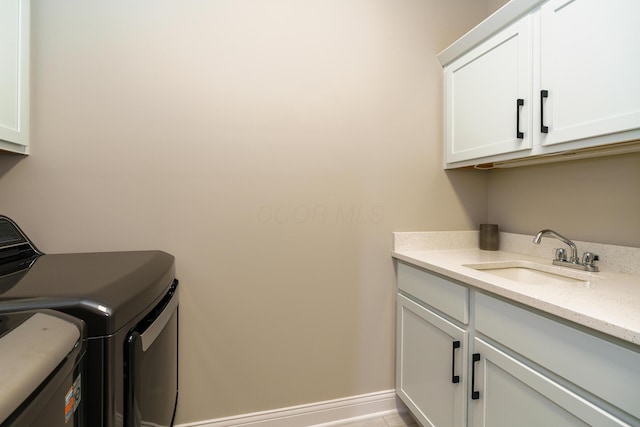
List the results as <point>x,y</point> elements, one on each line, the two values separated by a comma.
<point>395,420</point>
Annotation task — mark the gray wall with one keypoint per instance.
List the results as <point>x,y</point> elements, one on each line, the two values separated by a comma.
<point>494,5</point>
<point>595,200</point>
<point>272,146</point>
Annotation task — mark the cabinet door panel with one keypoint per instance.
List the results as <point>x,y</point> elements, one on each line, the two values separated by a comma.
<point>590,63</point>
<point>424,365</point>
<point>582,358</point>
<point>442,294</point>
<point>14,75</point>
<point>482,88</point>
<point>512,394</point>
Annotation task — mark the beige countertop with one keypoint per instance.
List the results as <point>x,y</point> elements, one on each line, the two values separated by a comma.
<point>607,301</point>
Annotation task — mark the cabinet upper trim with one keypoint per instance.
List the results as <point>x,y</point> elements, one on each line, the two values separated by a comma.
<point>500,19</point>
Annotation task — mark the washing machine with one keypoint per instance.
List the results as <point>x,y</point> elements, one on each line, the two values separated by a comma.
<point>42,370</point>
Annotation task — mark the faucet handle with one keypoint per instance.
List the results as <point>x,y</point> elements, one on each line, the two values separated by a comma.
<point>589,258</point>
<point>561,254</point>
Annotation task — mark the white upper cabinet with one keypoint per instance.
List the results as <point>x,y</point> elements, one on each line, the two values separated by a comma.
<point>590,68</point>
<point>574,66</point>
<point>14,75</point>
<point>488,94</point>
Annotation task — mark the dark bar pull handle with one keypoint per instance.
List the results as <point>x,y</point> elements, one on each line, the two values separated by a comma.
<point>475,395</point>
<point>454,378</point>
<point>519,103</point>
<point>543,95</point>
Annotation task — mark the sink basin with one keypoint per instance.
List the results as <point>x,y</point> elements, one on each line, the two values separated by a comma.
<point>532,273</point>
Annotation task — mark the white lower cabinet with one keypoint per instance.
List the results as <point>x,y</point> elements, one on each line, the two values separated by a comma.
<point>510,393</point>
<point>515,366</point>
<point>431,361</point>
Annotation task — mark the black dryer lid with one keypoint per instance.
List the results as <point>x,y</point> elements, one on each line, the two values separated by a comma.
<point>107,290</point>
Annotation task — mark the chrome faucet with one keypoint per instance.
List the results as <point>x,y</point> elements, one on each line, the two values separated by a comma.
<point>588,259</point>
<point>573,257</point>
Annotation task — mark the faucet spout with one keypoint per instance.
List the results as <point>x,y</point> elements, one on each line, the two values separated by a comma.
<point>573,256</point>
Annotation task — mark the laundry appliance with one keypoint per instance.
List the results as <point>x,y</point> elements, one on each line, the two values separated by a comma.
<point>41,370</point>
<point>129,304</point>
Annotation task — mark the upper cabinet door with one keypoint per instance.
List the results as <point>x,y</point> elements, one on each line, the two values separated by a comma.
<point>590,68</point>
<point>14,75</point>
<point>483,114</point>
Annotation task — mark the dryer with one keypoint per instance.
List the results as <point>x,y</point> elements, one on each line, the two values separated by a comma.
<point>129,303</point>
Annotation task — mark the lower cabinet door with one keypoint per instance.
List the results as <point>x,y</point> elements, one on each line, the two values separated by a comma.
<point>510,393</point>
<point>431,365</point>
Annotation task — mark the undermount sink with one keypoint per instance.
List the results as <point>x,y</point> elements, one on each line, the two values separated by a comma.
<point>532,273</point>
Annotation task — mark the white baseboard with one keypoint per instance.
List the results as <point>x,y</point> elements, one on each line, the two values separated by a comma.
<point>320,414</point>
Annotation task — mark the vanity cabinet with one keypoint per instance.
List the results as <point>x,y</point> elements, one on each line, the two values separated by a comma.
<point>608,370</point>
<point>432,347</point>
<point>561,77</point>
<point>515,366</point>
<point>511,393</point>
<point>14,75</point>
<point>431,357</point>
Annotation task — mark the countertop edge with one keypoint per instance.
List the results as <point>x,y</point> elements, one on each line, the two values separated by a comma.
<point>582,318</point>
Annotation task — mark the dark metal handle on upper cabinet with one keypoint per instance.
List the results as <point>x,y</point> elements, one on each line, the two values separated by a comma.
<point>475,395</point>
<point>519,103</point>
<point>454,378</point>
<point>543,95</point>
